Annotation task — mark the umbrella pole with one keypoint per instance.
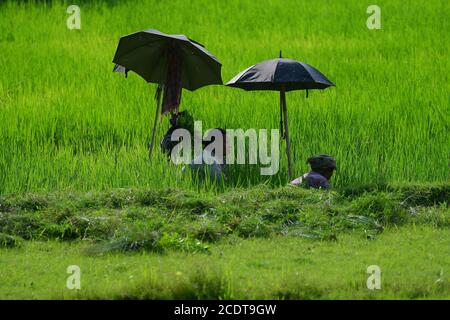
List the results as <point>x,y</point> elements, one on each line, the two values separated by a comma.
<point>154,130</point>
<point>286,129</point>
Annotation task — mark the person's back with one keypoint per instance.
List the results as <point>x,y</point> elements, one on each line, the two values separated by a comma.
<point>211,162</point>
<point>180,120</point>
<point>166,143</point>
<point>206,164</point>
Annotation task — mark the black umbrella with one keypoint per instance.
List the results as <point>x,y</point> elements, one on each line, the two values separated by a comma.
<point>173,61</point>
<point>281,75</point>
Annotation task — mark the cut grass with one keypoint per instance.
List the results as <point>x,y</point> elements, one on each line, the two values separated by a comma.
<point>132,219</point>
<point>284,243</point>
<point>414,262</point>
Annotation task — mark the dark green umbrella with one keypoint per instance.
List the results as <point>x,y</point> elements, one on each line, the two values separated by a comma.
<point>173,61</point>
<point>281,75</point>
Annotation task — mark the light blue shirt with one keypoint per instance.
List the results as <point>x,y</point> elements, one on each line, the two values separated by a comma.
<point>207,163</point>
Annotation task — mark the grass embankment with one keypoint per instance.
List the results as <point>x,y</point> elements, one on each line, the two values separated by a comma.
<point>257,243</point>
<point>126,219</point>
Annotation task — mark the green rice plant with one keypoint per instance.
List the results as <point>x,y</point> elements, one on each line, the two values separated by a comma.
<point>69,123</point>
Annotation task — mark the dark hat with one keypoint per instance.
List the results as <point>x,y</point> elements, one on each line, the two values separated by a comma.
<point>322,161</point>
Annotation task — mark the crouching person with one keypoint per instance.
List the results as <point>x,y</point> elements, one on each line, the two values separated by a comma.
<point>212,161</point>
<point>322,167</point>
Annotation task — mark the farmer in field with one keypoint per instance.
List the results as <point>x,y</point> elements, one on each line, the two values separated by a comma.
<point>322,167</point>
<point>212,160</point>
<point>180,120</point>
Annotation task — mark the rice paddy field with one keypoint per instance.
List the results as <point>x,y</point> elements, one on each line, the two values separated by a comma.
<point>69,122</point>
<point>74,154</point>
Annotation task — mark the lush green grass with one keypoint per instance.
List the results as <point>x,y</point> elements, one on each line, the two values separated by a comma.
<point>68,122</point>
<point>76,186</point>
<point>287,243</point>
<point>414,264</point>
<point>159,220</point>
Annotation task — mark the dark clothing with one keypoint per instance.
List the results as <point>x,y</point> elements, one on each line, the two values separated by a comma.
<point>172,87</point>
<point>166,143</point>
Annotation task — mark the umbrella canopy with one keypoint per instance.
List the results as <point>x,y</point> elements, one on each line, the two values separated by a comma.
<point>281,75</point>
<point>148,54</point>
<point>275,73</point>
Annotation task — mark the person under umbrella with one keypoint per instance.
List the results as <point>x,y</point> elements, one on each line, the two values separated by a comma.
<point>172,61</point>
<point>211,162</point>
<point>281,75</point>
